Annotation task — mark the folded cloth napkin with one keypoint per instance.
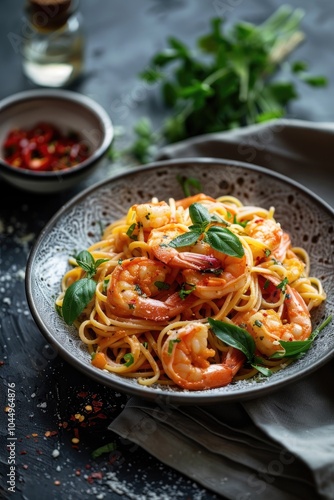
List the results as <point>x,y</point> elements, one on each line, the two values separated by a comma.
<point>280,446</point>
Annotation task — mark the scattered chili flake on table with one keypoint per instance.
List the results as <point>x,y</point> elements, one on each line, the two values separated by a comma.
<point>44,148</point>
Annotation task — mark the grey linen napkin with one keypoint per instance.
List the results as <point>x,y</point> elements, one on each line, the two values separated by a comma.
<point>280,446</point>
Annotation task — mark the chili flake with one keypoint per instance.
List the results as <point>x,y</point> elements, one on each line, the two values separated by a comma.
<point>43,148</point>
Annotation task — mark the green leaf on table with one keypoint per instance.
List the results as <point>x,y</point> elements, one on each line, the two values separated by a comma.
<point>107,448</point>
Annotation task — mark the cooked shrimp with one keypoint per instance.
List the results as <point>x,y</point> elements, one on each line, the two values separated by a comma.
<point>185,358</point>
<point>281,250</point>
<point>152,215</point>
<point>132,286</point>
<point>232,276</point>
<point>267,327</point>
<point>212,205</point>
<point>266,236</point>
<point>294,268</point>
<point>197,198</point>
<point>159,240</point>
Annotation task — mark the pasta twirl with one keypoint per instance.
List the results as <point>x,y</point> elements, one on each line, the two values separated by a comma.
<point>170,272</point>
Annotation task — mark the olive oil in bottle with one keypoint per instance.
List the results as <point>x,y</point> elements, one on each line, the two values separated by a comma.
<point>53,48</point>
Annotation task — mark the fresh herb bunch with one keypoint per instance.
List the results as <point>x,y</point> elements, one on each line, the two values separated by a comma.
<point>229,82</point>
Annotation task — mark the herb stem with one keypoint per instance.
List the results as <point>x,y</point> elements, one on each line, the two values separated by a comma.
<point>216,75</point>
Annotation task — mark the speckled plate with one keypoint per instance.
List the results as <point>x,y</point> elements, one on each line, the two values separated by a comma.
<point>308,219</point>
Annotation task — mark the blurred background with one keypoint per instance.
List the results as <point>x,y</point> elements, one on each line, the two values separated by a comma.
<point>122,37</point>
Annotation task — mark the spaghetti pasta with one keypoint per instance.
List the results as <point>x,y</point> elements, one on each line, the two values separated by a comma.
<point>169,273</point>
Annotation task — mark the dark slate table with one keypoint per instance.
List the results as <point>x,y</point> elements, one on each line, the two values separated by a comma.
<point>50,396</point>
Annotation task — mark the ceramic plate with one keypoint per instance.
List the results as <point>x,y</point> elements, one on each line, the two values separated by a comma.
<point>308,219</point>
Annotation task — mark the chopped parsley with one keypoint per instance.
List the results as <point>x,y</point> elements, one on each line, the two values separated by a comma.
<point>171,345</point>
<point>161,285</point>
<point>129,359</point>
<point>184,292</point>
<point>283,284</point>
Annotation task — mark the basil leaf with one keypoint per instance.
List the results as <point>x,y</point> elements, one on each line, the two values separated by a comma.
<point>76,298</point>
<point>98,262</point>
<point>263,369</point>
<point>234,336</point>
<point>258,359</point>
<point>86,261</point>
<point>296,348</point>
<point>185,239</point>
<point>292,349</point>
<point>223,240</point>
<point>216,218</point>
<point>199,214</point>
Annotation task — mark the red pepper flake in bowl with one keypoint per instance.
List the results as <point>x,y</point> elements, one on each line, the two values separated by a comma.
<point>44,148</point>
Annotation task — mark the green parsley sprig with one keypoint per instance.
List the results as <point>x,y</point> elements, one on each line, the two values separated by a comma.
<point>228,78</point>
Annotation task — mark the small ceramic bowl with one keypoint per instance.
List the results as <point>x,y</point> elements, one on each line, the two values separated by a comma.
<point>66,110</point>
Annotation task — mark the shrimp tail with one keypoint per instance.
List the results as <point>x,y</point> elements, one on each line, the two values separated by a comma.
<point>152,309</point>
<point>197,198</point>
<point>234,360</point>
<point>189,260</point>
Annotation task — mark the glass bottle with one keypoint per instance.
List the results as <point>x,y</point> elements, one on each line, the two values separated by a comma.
<point>53,46</point>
